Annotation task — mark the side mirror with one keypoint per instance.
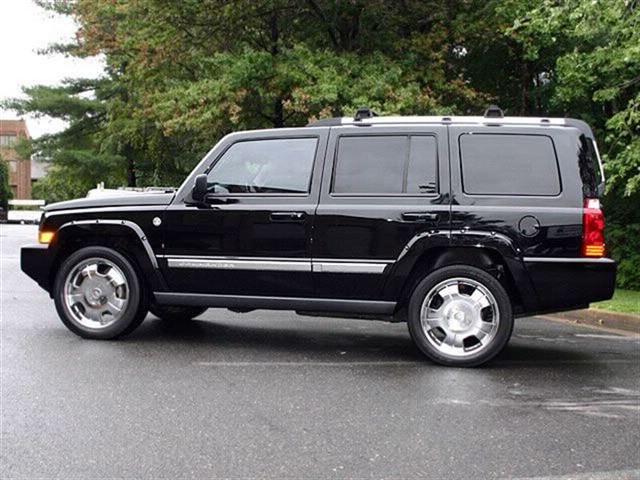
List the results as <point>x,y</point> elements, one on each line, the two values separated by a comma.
<point>199,188</point>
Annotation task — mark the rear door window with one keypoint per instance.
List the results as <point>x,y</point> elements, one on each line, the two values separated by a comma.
<point>386,165</point>
<point>508,164</point>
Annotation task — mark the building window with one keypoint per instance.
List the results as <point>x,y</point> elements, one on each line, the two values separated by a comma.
<point>13,166</point>
<point>7,140</point>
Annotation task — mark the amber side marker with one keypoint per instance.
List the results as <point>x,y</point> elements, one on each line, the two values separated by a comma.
<point>45,237</point>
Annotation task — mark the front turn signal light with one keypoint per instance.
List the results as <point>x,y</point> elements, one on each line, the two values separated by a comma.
<point>45,237</point>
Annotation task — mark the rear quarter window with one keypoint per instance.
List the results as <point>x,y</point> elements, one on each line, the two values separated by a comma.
<point>509,164</point>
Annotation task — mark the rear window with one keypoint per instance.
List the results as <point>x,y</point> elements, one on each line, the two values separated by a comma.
<point>386,164</point>
<point>590,172</point>
<point>505,164</point>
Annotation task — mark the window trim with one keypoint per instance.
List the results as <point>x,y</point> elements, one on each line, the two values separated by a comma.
<point>525,195</point>
<point>407,136</point>
<point>262,138</point>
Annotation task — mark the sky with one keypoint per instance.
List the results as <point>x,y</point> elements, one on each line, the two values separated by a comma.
<point>24,29</point>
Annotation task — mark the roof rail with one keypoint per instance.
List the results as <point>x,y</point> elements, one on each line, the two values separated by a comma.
<point>326,122</point>
<point>364,112</point>
<point>493,111</point>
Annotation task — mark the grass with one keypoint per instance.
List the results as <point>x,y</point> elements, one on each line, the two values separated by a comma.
<point>623,301</point>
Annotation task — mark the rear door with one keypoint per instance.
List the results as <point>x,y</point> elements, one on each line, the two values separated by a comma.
<point>383,187</point>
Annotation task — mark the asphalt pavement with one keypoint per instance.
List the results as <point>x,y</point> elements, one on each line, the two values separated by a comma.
<point>275,395</point>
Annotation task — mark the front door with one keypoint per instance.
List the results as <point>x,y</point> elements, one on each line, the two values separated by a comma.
<point>253,235</point>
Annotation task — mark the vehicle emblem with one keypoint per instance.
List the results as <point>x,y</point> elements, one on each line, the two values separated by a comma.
<point>156,221</point>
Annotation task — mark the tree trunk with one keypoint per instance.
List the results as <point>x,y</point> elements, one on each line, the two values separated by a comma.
<point>278,113</point>
<point>131,165</point>
<point>525,84</point>
<point>278,107</point>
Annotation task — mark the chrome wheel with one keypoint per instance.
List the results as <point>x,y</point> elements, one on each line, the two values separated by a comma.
<point>459,317</point>
<point>96,293</point>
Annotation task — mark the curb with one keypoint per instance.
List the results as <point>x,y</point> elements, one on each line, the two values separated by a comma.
<point>602,318</point>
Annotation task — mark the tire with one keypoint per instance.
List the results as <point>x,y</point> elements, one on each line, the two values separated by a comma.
<point>460,316</point>
<point>176,313</point>
<point>98,294</point>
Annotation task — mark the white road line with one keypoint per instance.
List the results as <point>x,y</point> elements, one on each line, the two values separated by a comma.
<point>611,475</point>
<point>606,337</point>
<point>308,364</point>
<point>531,363</point>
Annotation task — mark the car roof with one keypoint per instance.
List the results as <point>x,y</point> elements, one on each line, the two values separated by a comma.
<point>455,120</point>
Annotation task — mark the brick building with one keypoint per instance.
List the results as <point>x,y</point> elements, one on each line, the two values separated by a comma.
<point>11,131</point>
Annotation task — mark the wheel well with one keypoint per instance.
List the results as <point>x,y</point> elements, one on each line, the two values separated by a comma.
<point>486,259</point>
<point>73,238</point>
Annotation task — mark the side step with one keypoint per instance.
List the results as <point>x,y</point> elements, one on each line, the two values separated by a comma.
<point>367,307</point>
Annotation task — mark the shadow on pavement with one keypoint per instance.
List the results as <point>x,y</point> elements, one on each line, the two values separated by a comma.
<point>360,341</point>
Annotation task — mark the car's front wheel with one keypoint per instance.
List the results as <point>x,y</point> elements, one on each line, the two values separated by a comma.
<point>98,294</point>
<point>460,316</point>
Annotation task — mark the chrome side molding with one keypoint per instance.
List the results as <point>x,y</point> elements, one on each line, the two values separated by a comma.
<point>277,264</point>
<point>239,264</point>
<point>566,260</point>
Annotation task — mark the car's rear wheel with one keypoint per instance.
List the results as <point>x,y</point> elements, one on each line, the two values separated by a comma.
<point>98,294</point>
<point>176,313</point>
<point>460,316</point>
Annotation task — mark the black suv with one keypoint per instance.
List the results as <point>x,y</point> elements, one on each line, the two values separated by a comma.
<point>452,224</point>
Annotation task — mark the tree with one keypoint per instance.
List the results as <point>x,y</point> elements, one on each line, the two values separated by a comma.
<point>596,76</point>
<point>180,75</point>
<point>5,189</point>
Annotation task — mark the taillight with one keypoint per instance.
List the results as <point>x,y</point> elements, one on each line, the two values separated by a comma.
<point>592,229</point>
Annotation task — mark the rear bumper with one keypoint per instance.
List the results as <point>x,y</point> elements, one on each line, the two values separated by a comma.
<point>35,261</point>
<point>569,283</point>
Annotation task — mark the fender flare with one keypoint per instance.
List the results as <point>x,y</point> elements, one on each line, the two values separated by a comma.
<point>126,223</point>
<point>150,269</point>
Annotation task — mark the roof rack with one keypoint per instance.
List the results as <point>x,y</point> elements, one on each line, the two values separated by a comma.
<point>361,114</point>
<point>326,122</point>
<point>493,111</point>
<point>364,112</point>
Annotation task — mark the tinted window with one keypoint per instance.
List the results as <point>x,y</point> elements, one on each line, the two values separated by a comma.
<point>393,164</point>
<point>589,167</point>
<point>265,166</point>
<point>509,165</point>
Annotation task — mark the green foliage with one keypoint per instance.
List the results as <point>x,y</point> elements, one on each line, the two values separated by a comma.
<point>624,301</point>
<point>60,184</point>
<point>624,244</point>
<point>5,189</point>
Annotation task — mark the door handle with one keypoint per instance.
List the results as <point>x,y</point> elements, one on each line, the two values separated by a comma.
<point>420,217</point>
<point>287,216</point>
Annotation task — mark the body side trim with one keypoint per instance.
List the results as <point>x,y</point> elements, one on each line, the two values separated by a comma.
<point>328,265</point>
<point>349,267</point>
<point>239,264</point>
<point>275,303</point>
<point>566,260</point>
